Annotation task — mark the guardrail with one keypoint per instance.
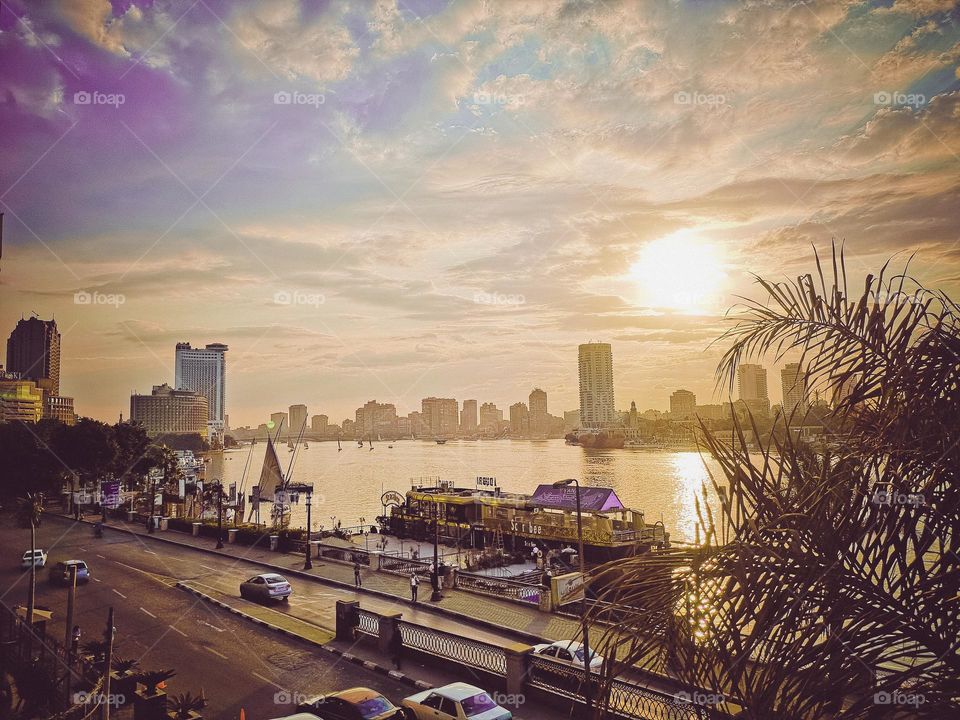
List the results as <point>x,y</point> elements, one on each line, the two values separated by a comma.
<point>499,587</point>
<point>472,653</point>
<point>402,566</point>
<point>368,622</point>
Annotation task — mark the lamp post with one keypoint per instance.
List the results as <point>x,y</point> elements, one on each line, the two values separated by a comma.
<point>153,497</point>
<point>363,531</point>
<point>435,596</point>
<point>587,689</point>
<point>308,562</point>
<point>218,488</point>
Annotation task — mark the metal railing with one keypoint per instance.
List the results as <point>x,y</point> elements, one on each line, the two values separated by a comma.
<point>402,566</point>
<point>368,622</point>
<point>499,587</point>
<point>472,653</point>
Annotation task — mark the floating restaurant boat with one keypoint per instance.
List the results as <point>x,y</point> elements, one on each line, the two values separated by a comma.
<point>484,517</point>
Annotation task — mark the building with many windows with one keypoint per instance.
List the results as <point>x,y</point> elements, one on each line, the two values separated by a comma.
<point>319,424</point>
<point>279,419</point>
<point>793,384</point>
<point>468,418</point>
<point>752,386</point>
<point>441,416</point>
<point>204,371</point>
<point>375,420</point>
<point>167,411</point>
<point>60,408</point>
<point>539,417</point>
<point>597,408</point>
<point>33,351</point>
<point>519,420</point>
<point>298,419</point>
<point>20,399</point>
<point>683,405</point>
<point>490,418</point>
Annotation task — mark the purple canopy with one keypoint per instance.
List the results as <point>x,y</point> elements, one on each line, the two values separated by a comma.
<point>592,499</point>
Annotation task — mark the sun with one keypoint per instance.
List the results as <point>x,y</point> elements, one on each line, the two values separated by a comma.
<point>681,272</point>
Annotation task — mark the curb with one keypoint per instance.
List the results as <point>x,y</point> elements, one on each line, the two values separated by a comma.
<point>452,614</point>
<point>368,664</point>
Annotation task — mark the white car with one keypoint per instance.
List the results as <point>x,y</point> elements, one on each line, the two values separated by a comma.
<point>37,558</point>
<point>457,701</point>
<point>266,586</point>
<point>570,652</point>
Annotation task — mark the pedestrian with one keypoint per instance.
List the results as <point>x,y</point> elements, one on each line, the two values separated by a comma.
<point>75,640</point>
<point>396,647</point>
<point>414,584</point>
<point>356,574</point>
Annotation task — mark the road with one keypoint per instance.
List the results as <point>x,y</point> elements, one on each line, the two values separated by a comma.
<point>236,664</point>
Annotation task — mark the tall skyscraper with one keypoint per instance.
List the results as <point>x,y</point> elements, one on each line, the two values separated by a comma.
<point>33,350</point>
<point>169,411</point>
<point>319,423</point>
<point>519,420</point>
<point>752,385</point>
<point>490,418</point>
<point>596,385</point>
<point>298,418</point>
<point>539,422</point>
<point>277,418</point>
<point>793,383</point>
<point>468,417</point>
<point>683,404</point>
<point>440,415</point>
<point>376,419</point>
<point>204,371</point>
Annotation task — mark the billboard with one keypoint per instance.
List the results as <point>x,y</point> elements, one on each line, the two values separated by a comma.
<point>110,494</point>
<point>592,499</point>
<point>566,589</point>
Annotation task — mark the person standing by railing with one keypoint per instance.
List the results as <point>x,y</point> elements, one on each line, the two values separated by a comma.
<point>357,582</point>
<point>414,584</point>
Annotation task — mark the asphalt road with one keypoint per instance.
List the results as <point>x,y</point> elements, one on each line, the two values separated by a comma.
<point>236,664</point>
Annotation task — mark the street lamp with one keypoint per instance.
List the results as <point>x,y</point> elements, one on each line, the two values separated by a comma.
<point>153,497</point>
<point>587,690</point>
<point>218,488</point>
<point>308,490</point>
<point>366,545</point>
<point>435,596</point>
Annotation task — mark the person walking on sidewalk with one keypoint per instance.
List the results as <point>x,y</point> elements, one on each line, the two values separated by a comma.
<point>396,647</point>
<point>356,574</point>
<point>414,583</point>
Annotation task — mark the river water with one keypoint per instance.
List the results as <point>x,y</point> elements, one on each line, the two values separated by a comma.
<point>348,484</point>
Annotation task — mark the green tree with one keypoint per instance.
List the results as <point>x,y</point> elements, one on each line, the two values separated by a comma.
<point>828,583</point>
<point>30,510</point>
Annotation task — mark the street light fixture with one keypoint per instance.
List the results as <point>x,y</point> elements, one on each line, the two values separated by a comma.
<point>218,488</point>
<point>308,490</point>
<point>587,690</point>
<point>435,596</point>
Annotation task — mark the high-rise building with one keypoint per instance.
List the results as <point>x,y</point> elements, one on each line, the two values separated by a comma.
<point>204,371</point>
<point>376,419</point>
<point>793,384</point>
<point>415,424</point>
<point>20,399</point>
<point>33,351</point>
<point>298,419</point>
<point>519,420</point>
<point>319,423</point>
<point>278,419</point>
<point>752,386</point>
<point>468,417</point>
<point>440,415</point>
<point>539,423</point>
<point>571,419</point>
<point>683,404</point>
<point>596,385</point>
<point>171,412</point>
<point>490,418</point>
<point>58,407</point>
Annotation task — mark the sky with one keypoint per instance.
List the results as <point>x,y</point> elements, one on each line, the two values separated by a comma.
<point>391,200</point>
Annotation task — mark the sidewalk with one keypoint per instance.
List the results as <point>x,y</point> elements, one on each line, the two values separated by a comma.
<point>502,616</point>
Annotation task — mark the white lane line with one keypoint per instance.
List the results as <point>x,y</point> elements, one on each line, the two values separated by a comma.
<point>102,557</point>
<point>266,679</point>
<point>143,609</point>
<point>207,567</point>
<point>97,580</point>
<point>119,593</point>
<point>179,631</point>
<point>218,629</point>
<point>151,552</point>
<point>218,654</point>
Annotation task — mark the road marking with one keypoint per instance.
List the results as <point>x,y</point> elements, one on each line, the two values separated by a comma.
<point>149,613</point>
<point>179,631</point>
<point>149,551</point>
<point>219,654</point>
<point>218,629</point>
<point>102,557</point>
<point>158,578</point>
<point>97,580</point>
<point>207,567</point>
<point>267,680</point>
<point>119,593</point>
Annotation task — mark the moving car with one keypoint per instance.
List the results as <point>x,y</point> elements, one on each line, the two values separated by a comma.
<point>37,558</point>
<point>60,573</point>
<point>570,652</point>
<point>357,703</point>
<point>457,701</point>
<point>266,586</point>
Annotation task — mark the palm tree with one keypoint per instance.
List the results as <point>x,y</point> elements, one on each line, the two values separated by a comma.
<point>30,509</point>
<point>828,580</point>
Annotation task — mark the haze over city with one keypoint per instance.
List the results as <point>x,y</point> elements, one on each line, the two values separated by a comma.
<point>393,201</point>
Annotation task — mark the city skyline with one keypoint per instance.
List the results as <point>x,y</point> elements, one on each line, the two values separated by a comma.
<point>444,200</point>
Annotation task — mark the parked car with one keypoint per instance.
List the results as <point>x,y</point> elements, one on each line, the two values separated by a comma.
<point>37,558</point>
<point>357,703</point>
<point>456,701</point>
<point>60,573</point>
<point>267,586</point>
<point>568,651</point>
